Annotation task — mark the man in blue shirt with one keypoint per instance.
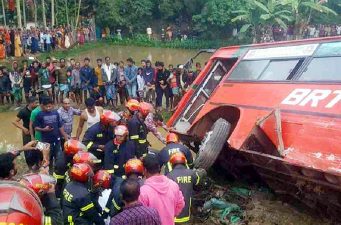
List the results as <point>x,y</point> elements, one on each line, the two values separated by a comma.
<point>130,74</point>
<point>49,123</point>
<point>88,78</point>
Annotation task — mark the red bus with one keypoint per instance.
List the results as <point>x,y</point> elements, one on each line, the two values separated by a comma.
<point>276,105</point>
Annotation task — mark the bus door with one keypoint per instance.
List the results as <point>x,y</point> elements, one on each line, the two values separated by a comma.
<point>203,92</point>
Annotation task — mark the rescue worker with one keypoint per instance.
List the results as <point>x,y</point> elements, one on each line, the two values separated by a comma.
<point>138,130</point>
<point>118,151</point>
<point>64,163</point>
<point>133,170</point>
<point>132,107</point>
<point>100,133</point>
<point>78,206</point>
<point>186,179</point>
<point>27,208</point>
<point>172,147</point>
<point>43,186</point>
<point>88,158</point>
<point>102,180</point>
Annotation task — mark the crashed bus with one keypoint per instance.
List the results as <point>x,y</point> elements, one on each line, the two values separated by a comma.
<point>276,106</point>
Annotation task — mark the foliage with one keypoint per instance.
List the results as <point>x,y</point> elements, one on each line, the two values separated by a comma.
<point>124,13</point>
<point>215,15</point>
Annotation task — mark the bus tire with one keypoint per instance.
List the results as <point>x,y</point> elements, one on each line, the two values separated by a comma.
<point>212,144</point>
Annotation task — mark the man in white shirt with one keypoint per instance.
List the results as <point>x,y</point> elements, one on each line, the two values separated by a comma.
<point>109,76</point>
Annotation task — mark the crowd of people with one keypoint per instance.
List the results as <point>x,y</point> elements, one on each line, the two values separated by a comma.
<point>108,176</point>
<point>15,42</point>
<point>277,33</point>
<point>109,83</point>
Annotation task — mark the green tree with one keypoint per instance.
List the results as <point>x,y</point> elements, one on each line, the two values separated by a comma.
<point>304,10</point>
<point>125,14</point>
<point>214,17</point>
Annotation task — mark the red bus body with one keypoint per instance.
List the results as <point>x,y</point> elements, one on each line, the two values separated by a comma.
<point>288,128</point>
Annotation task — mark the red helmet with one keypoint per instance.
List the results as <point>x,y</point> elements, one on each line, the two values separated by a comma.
<point>145,108</point>
<point>102,179</point>
<point>85,157</point>
<point>39,183</point>
<point>81,172</point>
<point>71,147</point>
<point>108,117</point>
<point>172,137</point>
<point>133,105</point>
<point>178,158</point>
<point>19,205</point>
<point>134,166</point>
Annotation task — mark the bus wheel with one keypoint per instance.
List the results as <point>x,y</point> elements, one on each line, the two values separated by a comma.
<point>212,144</point>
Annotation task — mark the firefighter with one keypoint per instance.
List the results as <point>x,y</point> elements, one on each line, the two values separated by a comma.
<point>100,133</point>
<point>78,205</point>
<point>118,151</point>
<point>132,107</point>
<point>26,209</point>
<point>138,130</point>
<point>43,186</point>
<point>64,163</point>
<point>88,158</point>
<point>172,147</point>
<point>187,179</point>
<point>133,170</point>
<point>102,180</point>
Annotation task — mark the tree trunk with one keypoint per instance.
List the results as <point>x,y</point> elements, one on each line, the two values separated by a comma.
<point>52,14</point>
<point>35,13</point>
<point>67,13</point>
<point>18,14</point>
<point>78,12</point>
<point>44,13</point>
<point>24,12</point>
<point>3,12</point>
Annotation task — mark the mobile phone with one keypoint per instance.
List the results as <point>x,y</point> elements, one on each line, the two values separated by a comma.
<point>41,146</point>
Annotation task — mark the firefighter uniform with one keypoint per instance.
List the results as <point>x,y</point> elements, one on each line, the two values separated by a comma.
<point>62,165</point>
<point>95,136</point>
<point>78,207</point>
<point>115,204</point>
<point>115,156</point>
<point>186,179</point>
<point>52,210</point>
<point>138,133</point>
<point>170,149</point>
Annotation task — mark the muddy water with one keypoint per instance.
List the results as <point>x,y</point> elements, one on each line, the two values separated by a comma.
<point>168,56</point>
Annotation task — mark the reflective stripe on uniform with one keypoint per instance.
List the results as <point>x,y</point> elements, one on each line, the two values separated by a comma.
<point>87,207</point>
<point>115,205</point>
<point>106,210</point>
<point>47,220</point>
<point>116,167</point>
<point>70,220</point>
<point>182,220</point>
<point>58,177</point>
<point>89,144</point>
<point>134,137</point>
<point>142,141</point>
<point>198,178</point>
<point>111,171</point>
<point>169,166</point>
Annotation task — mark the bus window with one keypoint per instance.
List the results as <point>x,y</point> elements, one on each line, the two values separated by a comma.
<point>322,69</point>
<point>279,70</point>
<point>248,70</point>
<point>271,70</point>
<point>214,80</point>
